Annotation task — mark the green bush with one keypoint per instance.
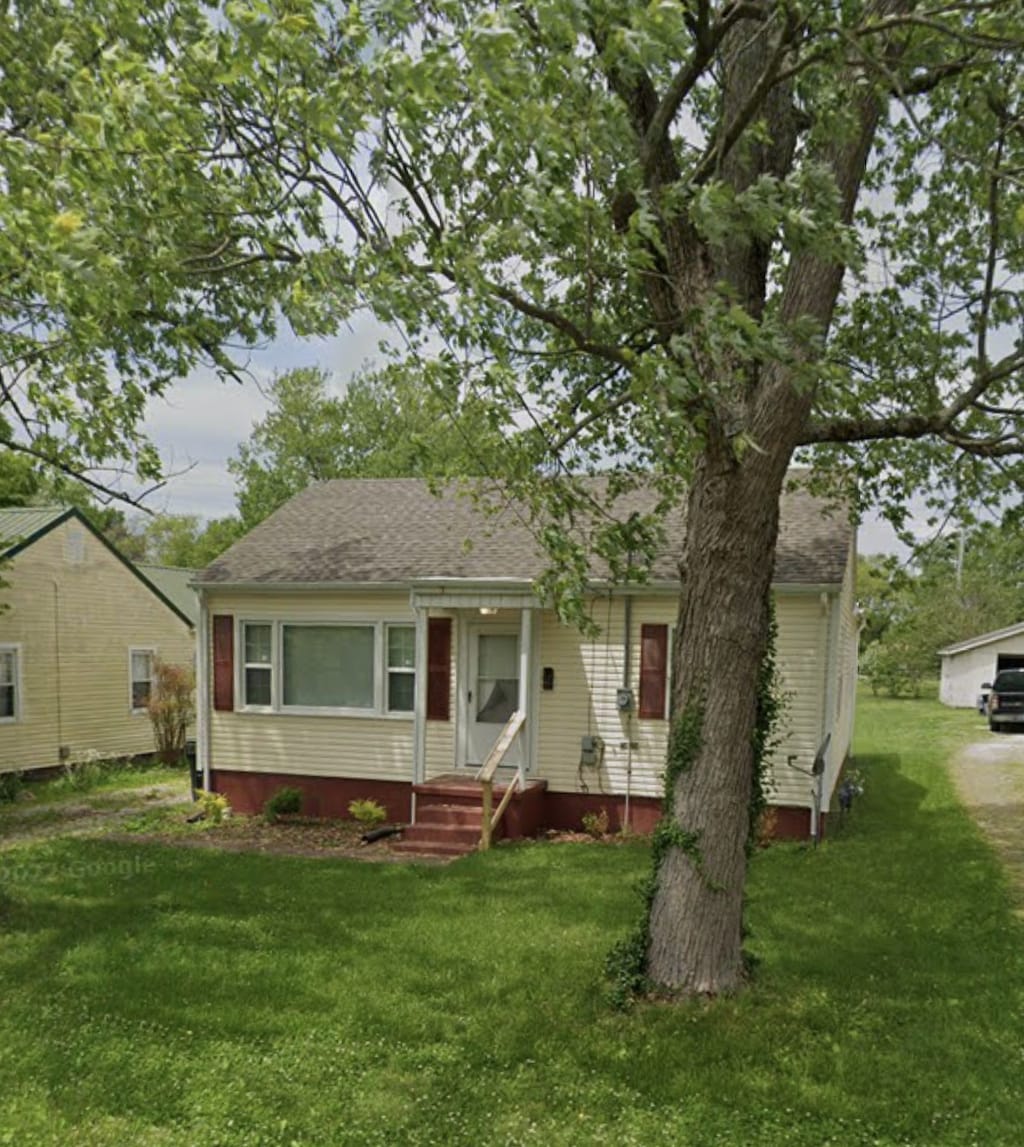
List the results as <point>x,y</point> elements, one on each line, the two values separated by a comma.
<point>215,806</point>
<point>11,786</point>
<point>81,773</point>
<point>595,824</point>
<point>285,802</point>
<point>367,812</point>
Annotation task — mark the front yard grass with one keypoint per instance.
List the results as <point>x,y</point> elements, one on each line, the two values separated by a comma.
<point>157,996</point>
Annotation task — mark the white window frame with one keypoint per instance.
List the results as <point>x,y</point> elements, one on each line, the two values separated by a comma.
<point>14,650</point>
<point>277,624</point>
<point>132,650</point>
<point>242,665</point>
<point>400,670</point>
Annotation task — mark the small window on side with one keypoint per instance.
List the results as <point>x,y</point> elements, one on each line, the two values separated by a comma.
<point>141,673</point>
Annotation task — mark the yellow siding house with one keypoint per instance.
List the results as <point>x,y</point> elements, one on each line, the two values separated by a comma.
<point>372,639</point>
<point>79,631</point>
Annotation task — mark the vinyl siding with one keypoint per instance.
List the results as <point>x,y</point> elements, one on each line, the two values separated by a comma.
<point>373,746</point>
<point>846,668</point>
<point>588,673</point>
<point>75,611</point>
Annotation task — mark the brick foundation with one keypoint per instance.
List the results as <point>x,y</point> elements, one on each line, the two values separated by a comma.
<point>327,797</point>
<point>529,814</point>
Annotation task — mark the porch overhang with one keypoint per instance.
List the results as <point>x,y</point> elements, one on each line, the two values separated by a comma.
<point>443,593</point>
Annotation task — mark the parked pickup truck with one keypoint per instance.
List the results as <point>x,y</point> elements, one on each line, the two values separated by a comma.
<point>1006,700</point>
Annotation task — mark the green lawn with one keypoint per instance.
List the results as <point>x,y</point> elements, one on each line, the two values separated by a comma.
<point>161,996</point>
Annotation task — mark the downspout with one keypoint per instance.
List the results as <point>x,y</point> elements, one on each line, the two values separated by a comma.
<point>203,691</point>
<point>627,637</point>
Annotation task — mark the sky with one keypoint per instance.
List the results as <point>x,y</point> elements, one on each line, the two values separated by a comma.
<point>199,424</point>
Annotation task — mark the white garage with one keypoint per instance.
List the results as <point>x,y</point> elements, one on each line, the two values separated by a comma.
<point>968,665</point>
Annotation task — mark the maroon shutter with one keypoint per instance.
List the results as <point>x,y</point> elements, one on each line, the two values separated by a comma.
<point>653,669</point>
<point>439,668</point>
<point>223,662</point>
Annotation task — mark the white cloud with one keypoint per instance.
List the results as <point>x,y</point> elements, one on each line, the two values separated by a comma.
<point>199,424</point>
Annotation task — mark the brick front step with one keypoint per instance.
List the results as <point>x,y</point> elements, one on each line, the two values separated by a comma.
<point>431,848</point>
<point>443,834</point>
<point>453,814</point>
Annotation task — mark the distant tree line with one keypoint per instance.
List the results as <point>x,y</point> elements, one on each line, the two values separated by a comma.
<point>384,425</point>
<point>956,588</point>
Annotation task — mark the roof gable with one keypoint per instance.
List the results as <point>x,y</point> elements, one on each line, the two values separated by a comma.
<point>396,531</point>
<point>22,527</point>
<point>983,639</point>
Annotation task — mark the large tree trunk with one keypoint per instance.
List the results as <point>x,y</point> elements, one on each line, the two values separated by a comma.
<point>726,572</point>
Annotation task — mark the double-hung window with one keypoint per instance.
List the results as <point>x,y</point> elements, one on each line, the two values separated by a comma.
<point>9,699</point>
<point>401,668</point>
<point>257,665</point>
<point>140,669</point>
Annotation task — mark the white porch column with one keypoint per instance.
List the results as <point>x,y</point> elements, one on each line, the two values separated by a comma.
<point>419,720</point>
<point>203,699</point>
<point>525,661</point>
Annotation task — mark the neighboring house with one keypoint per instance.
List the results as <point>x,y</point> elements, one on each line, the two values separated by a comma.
<point>370,636</point>
<point>78,635</point>
<point>968,665</point>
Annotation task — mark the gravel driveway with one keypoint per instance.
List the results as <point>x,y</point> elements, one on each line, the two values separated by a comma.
<point>989,776</point>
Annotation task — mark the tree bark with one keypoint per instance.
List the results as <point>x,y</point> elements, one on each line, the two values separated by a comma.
<point>726,571</point>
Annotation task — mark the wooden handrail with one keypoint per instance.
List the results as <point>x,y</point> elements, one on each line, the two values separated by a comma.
<point>501,746</point>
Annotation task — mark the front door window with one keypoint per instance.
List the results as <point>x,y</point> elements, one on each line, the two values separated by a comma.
<point>497,685</point>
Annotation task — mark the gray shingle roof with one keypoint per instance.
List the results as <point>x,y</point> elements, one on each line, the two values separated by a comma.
<point>395,531</point>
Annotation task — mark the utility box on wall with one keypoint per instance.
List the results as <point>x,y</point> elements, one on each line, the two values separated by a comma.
<point>591,750</point>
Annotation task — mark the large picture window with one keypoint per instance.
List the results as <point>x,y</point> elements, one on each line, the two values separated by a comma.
<point>328,666</point>
<point>9,699</point>
<point>348,667</point>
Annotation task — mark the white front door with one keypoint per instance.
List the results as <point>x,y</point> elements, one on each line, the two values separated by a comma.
<point>493,693</point>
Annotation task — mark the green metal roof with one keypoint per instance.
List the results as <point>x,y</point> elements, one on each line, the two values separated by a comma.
<point>173,583</point>
<point>17,523</point>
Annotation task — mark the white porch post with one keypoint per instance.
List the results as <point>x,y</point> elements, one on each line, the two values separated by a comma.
<point>525,660</point>
<point>203,690</point>
<point>419,720</point>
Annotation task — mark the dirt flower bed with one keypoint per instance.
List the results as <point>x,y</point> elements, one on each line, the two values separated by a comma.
<point>289,836</point>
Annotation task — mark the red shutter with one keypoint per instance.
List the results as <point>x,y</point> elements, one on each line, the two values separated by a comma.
<point>653,669</point>
<point>223,662</point>
<point>439,668</point>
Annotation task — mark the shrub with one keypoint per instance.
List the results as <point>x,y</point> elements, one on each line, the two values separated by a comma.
<point>81,773</point>
<point>214,806</point>
<point>11,786</point>
<point>171,707</point>
<point>367,812</point>
<point>595,824</point>
<point>284,802</point>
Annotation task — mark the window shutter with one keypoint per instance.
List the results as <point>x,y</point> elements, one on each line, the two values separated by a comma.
<point>223,662</point>
<point>653,669</point>
<point>439,668</point>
